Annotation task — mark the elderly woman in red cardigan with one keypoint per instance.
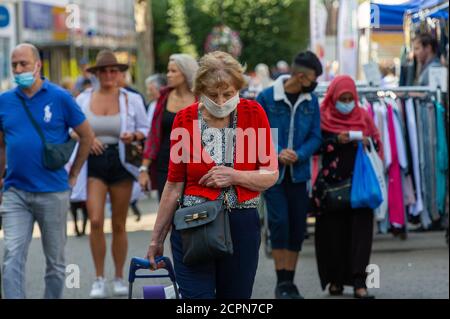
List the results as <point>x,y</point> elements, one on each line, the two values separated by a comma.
<point>200,132</point>
<point>178,94</point>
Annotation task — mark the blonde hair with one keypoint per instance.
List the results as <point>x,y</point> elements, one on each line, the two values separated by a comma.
<point>217,69</point>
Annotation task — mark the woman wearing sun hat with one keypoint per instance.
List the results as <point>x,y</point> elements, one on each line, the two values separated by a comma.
<point>117,118</point>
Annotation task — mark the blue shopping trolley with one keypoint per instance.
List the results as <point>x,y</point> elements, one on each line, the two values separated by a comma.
<point>151,292</point>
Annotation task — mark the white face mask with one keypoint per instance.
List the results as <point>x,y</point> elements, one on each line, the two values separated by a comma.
<point>220,111</point>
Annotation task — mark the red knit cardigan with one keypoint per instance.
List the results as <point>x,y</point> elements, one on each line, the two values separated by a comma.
<point>249,115</point>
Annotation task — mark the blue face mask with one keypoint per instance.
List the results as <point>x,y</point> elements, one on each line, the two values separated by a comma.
<point>24,80</point>
<point>345,108</point>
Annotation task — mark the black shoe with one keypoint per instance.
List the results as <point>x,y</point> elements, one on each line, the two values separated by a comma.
<point>363,296</point>
<point>282,291</point>
<point>336,290</point>
<point>287,290</point>
<point>294,293</point>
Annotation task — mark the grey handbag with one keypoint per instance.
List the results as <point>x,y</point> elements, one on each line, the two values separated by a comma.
<point>55,156</point>
<point>205,228</point>
<point>205,232</point>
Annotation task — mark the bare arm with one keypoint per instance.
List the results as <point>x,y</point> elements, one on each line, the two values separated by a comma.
<point>257,181</point>
<point>169,198</point>
<point>168,205</point>
<point>86,137</point>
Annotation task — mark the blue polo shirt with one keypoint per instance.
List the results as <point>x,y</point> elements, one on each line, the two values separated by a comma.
<point>55,111</point>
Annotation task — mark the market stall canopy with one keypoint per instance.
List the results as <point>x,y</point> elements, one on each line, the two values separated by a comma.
<point>391,12</point>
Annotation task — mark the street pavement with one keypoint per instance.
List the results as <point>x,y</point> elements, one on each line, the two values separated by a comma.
<point>415,268</point>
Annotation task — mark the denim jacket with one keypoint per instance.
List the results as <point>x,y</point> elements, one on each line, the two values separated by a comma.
<point>298,127</point>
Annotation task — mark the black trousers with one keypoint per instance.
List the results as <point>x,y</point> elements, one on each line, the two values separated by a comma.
<point>343,243</point>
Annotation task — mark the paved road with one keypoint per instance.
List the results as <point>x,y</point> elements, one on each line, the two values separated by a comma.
<point>415,268</point>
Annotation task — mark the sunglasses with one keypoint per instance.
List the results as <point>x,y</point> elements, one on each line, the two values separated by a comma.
<point>108,70</point>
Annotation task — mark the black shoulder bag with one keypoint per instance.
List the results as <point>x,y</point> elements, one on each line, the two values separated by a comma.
<point>55,156</point>
<point>205,228</point>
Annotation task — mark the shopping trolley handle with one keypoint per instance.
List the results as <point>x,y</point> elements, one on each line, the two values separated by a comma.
<point>143,263</point>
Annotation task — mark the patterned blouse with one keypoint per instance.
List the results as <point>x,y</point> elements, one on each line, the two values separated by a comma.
<point>211,143</point>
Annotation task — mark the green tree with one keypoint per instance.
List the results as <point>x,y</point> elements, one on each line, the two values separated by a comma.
<point>270,30</point>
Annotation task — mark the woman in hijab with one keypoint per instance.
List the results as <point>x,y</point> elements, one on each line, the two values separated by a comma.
<point>343,238</point>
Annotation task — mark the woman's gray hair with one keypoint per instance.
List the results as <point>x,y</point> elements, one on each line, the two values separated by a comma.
<point>158,79</point>
<point>187,65</point>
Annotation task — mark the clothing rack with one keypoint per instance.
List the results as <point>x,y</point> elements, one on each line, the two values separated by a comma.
<point>385,91</point>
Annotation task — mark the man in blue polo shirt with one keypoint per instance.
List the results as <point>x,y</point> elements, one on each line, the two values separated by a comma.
<point>31,191</point>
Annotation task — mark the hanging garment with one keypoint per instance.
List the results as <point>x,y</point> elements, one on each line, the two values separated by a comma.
<point>395,192</point>
<point>431,158</point>
<point>400,134</point>
<point>400,141</point>
<point>381,122</point>
<point>368,107</point>
<point>428,164</point>
<point>381,213</point>
<point>424,214</point>
<point>409,173</point>
<point>442,159</point>
<point>412,128</point>
<point>409,197</point>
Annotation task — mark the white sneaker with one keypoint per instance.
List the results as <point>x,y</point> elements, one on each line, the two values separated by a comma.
<point>120,288</point>
<point>98,290</point>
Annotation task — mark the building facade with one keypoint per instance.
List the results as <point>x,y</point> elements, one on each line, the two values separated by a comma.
<point>66,31</point>
<point>8,39</point>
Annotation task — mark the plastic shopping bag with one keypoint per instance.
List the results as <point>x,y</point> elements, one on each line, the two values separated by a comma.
<point>366,191</point>
<point>378,167</point>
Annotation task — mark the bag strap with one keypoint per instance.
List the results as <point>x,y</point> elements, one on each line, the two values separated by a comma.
<point>32,120</point>
<point>228,150</point>
<point>127,106</point>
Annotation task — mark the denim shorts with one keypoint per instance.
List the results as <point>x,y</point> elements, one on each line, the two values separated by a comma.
<point>108,167</point>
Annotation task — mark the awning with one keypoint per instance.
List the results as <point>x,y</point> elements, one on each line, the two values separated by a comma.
<point>391,12</point>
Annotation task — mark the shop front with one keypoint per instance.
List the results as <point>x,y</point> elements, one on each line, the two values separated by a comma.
<point>7,42</point>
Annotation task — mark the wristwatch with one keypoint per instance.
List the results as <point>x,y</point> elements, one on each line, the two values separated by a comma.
<point>143,168</point>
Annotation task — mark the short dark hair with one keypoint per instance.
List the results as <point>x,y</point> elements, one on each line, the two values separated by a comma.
<point>307,60</point>
<point>87,82</point>
<point>426,39</point>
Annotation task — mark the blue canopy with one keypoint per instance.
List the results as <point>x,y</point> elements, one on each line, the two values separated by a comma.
<point>391,15</point>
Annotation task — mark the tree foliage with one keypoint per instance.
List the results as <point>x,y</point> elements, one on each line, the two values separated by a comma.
<point>270,30</point>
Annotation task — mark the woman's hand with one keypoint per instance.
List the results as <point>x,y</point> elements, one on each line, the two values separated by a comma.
<point>144,180</point>
<point>128,138</point>
<point>155,249</point>
<point>365,141</point>
<point>344,138</point>
<point>97,147</point>
<point>219,177</point>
